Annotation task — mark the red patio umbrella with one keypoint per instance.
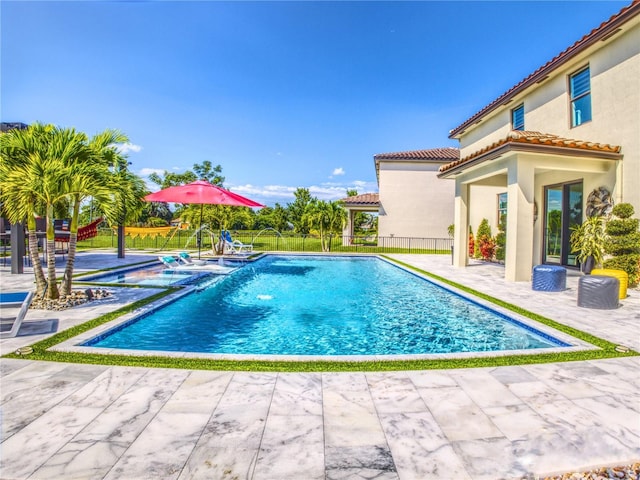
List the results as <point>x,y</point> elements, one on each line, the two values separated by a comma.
<point>201,192</point>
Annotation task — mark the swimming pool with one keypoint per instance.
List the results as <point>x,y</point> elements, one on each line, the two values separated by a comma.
<point>314,305</point>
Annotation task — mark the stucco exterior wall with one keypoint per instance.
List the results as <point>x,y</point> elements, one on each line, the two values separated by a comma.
<point>615,101</point>
<point>484,204</point>
<point>413,201</point>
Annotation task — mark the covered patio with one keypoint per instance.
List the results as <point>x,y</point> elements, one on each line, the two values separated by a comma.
<point>536,171</point>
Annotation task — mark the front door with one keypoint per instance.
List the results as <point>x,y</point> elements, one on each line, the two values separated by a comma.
<point>563,209</point>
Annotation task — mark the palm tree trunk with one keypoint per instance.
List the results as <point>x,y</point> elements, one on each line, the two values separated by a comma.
<point>71,254</point>
<point>52,287</point>
<point>41,282</point>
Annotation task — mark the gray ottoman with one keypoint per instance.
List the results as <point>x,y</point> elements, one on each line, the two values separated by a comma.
<point>549,278</point>
<point>598,291</point>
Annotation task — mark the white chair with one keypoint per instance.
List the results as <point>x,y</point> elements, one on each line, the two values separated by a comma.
<point>20,300</point>
<point>236,246</point>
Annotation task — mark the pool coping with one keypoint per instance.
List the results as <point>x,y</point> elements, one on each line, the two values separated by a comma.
<point>73,345</point>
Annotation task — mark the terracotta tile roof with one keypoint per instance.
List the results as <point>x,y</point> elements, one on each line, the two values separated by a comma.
<point>533,139</point>
<point>602,32</point>
<point>435,154</point>
<point>364,199</point>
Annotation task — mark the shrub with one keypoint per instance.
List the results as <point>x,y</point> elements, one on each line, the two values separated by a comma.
<point>483,238</point>
<point>487,247</point>
<point>472,243</point>
<point>623,242</point>
<point>501,238</point>
<point>622,210</point>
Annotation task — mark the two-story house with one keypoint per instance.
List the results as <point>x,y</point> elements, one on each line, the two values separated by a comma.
<point>561,144</point>
<point>413,202</point>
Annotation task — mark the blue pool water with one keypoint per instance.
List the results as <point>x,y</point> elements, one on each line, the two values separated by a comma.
<point>299,305</point>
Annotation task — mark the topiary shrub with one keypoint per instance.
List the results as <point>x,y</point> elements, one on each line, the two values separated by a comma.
<point>623,242</point>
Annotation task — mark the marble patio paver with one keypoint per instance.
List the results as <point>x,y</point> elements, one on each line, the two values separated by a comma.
<point>69,421</point>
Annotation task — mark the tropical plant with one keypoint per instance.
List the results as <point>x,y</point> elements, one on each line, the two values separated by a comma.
<point>588,239</point>
<point>623,242</point>
<point>501,238</point>
<point>484,246</point>
<point>102,175</point>
<point>472,243</point>
<point>36,170</point>
<point>48,171</point>
<point>298,208</point>
<point>328,218</point>
<point>272,217</point>
<point>207,172</point>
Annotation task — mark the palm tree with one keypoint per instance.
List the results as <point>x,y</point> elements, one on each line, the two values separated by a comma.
<point>124,202</point>
<point>35,165</point>
<point>91,177</point>
<point>328,218</point>
<point>19,203</point>
<point>45,168</point>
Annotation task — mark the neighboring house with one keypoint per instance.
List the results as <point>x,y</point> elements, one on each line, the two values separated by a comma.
<point>413,202</point>
<point>552,147</point>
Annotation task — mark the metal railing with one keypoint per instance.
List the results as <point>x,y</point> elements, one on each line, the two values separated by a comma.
<point>276,242</point>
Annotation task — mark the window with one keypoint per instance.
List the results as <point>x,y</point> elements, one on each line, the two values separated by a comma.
<point>580,86</point>
<point>502,206</point>
<point>517,118</point>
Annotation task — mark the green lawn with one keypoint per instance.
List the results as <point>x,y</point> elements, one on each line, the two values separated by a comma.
<point>270,242</point>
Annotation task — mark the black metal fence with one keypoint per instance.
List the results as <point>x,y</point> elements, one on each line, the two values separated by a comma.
<point>276,242</point>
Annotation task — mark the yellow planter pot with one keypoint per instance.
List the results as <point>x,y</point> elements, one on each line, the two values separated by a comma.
<point>621,275</point>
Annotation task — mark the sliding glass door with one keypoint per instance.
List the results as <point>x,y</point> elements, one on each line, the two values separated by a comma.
<point>563,209</point>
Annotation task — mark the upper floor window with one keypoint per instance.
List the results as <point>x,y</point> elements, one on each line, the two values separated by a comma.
<point>517,118</point>
<point>502,206</point>
<point>580,86</point>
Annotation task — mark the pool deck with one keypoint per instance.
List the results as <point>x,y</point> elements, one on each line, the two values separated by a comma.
<point>68,421</point>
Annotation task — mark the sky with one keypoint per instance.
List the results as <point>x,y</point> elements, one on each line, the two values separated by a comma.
<point>282,95</point>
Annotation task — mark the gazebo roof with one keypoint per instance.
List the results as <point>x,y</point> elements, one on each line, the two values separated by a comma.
<point>363,200</point>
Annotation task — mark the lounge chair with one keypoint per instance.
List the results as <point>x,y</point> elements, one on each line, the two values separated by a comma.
<point>20,300</point>
<point>236,246</point>
<point>172,264</point>
<point>186,259</point>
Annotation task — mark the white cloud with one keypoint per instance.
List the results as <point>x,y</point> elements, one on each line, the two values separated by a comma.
<point>145,172</point>
<point>338,171</point>
<point>125,148</point>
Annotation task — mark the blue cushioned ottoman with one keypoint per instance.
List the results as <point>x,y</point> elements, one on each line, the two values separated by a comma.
<point>549,278</point>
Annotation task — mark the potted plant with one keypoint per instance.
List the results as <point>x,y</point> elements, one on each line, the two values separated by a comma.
<point>588,240</point>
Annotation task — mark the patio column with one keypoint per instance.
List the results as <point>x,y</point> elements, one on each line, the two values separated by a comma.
<point>347,231</point>
<point>520,199</point>
<point>461,225</point>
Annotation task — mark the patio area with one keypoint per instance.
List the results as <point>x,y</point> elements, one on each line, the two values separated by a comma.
<point>70,421</point>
